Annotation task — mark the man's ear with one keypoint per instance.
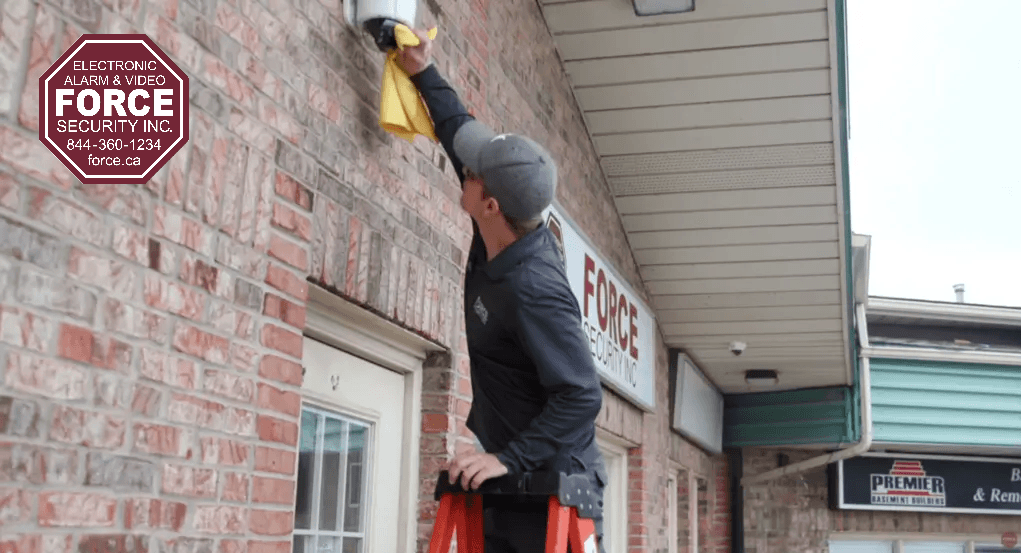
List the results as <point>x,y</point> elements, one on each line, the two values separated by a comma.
<point>491,206</point>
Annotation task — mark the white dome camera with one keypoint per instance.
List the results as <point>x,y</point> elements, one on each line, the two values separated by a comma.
<point>379,17</point>
<point>737,348</point>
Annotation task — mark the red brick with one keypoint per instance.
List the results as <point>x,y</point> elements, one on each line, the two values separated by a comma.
<point>463,407</point>
<point>162,440</point>
<point>10,193</point>
<point>239,421</point>
<point>146,400</point>
<point>271,523</point>
<point>276,430</point>
<point>220,519</point>
<point>15,506</point>
<point>14,543</point>
<point>225,452</point>
<point>188,481</point>
<point>286,281</point>
<point>172,298</point>
<point>112,354</point>
<point>288,252</point>
<point>285,218</point>
<point>199,274</point>
<point>243,358</point>
<point>161,367</point>
<point>288,312</point>
<point>26,329</point>
<point>275,460</point>
<point>272,490</point>
<point>282,340</point>
<point>235,487</point>
<point>195,411</point>
<point>26,154</point>
<point>432,422</point>
<point>280,370</point>
<point>278,400</point>
<point>198,343</point>
<point>269,546</point>
<point>135,322</point>
<point>233,546</point>
<point>288,188</point>
<point>98,430</point>
<point>113,543</point>
<point>104,272</point>
<point>75,343</point>
<point>48,377</point>
<point>70,509</point>
<point>229,385</point>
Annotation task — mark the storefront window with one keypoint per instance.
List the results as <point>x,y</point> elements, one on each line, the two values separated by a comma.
<point>330,503</point>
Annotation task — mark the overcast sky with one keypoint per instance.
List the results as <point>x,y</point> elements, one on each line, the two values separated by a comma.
<point>935,150</point>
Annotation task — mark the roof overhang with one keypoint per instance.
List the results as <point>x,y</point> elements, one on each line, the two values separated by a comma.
<point>722,133</point>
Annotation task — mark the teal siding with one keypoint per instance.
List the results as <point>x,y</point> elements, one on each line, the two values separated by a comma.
<point>946,403</point>
<point>797,417</point>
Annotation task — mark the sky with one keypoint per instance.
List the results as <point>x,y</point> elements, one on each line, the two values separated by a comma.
<point>935,146</point>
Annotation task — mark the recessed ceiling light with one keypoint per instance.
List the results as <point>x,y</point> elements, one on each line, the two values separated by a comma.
<point>761,377</point>
<point>660,7</point>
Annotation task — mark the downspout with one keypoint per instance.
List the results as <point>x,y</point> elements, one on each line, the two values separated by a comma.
<point>866,420</point>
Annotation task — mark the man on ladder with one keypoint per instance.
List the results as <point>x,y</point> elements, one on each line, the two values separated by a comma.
<point>536,393</point>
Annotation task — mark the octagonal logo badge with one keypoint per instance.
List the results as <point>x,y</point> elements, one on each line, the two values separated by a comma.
<point>114,108</point>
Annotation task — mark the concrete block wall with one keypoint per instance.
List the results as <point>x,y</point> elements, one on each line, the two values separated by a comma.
<point>151,336</point>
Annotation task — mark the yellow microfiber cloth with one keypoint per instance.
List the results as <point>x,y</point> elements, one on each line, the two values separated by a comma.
<point>401,110</point>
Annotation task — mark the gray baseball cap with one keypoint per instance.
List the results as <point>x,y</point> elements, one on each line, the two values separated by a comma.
<point>519,173</point>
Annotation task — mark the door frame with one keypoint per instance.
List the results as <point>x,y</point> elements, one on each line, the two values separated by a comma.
<point>339,323</point>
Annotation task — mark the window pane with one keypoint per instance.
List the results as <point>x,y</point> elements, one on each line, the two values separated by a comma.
<point>861,547</point>
<point>352,545</point>
<point>354,496</point>
<point>303,544</point>
<point>331,504</point>
<point>933,547</point>
<point>328,544</point>
<point>306,472</point>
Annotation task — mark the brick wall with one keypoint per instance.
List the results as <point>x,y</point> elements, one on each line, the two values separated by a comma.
<point>151,336</point>
<point>792,513</point>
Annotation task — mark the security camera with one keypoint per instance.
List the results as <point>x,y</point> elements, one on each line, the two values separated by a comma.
<point>379,17</point>
<point>737,348</point>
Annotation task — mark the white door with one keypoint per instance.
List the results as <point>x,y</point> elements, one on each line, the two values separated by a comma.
<point>615,500</point>
<point>350,454</point>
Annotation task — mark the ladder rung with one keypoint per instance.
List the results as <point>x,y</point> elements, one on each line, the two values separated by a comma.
<point>575,490</point>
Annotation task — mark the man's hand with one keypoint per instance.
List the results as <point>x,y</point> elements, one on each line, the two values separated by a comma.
<point>474,468</point>
<point>414,59</point>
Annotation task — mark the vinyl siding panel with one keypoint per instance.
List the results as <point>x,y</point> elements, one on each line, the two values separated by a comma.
<point>797,417</point>
<point>946,403</point>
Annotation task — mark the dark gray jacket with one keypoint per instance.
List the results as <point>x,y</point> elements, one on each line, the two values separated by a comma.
<point>536,393</point>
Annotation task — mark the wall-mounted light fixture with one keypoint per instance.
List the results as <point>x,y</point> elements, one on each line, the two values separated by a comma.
<point>761,377</point>
<point>661,7</point>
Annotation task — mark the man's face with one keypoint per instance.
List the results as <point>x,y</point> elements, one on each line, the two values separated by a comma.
<point>472,200</point>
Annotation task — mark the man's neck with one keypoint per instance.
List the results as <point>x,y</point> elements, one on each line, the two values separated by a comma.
<point>496,239</point>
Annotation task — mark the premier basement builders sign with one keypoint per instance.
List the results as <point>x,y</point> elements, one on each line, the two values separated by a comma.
<point>619,327</point>
<point>892,482</point>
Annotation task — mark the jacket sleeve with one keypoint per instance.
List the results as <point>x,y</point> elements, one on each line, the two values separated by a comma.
<point>447,114</point>
<point>549,328</point>
<point>445,109</point>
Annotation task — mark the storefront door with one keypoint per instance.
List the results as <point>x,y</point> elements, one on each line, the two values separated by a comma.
<point>350,454</point>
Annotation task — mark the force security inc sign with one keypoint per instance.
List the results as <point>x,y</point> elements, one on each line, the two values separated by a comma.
<point>113,109</point>
<point>888,482</point>
<point>618,325</point>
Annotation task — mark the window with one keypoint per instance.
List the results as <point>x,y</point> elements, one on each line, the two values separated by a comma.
<point>330,506</point>
<point>861,547</point>
<point>615,497</point>
<point>917,544</point>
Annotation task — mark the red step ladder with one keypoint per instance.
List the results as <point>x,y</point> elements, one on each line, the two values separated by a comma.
<point>461,511</point>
